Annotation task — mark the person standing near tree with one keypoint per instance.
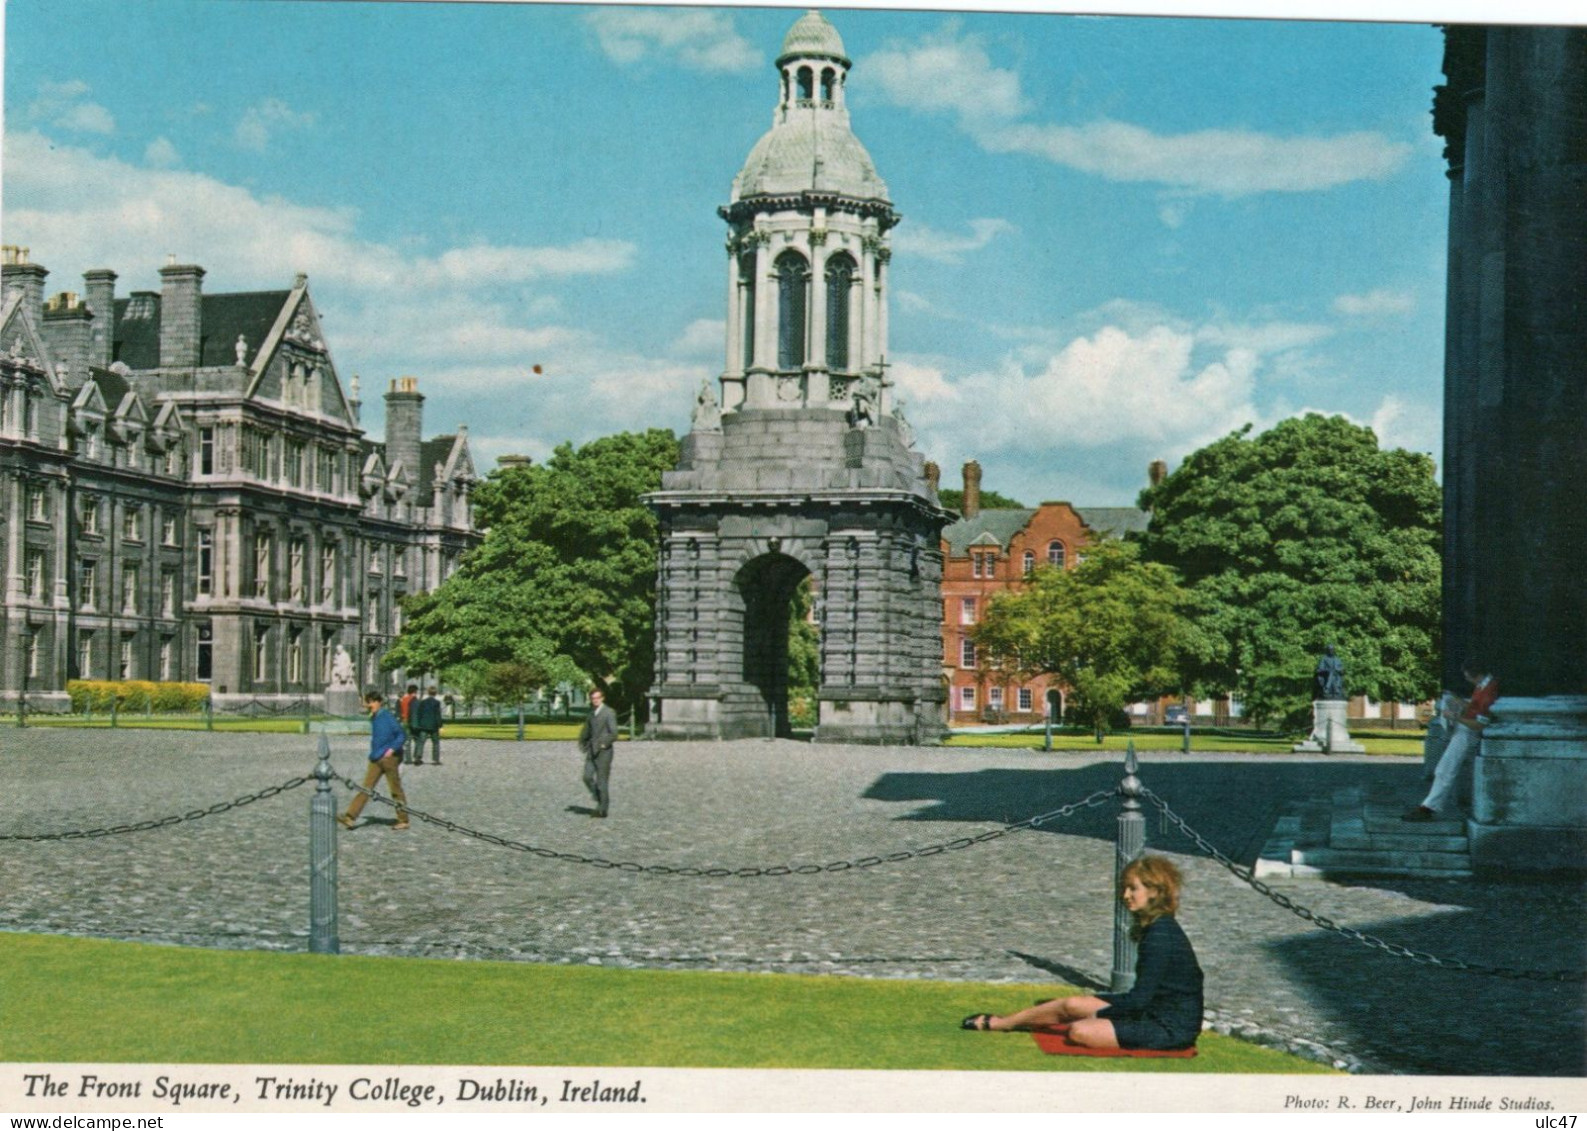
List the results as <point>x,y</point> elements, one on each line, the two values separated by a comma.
<point>404,716</point>
<point>596,739</point>
<point>426,725</point>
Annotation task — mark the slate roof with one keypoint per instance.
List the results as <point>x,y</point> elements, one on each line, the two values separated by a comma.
<point>252,314</point>
<point>1117,521</point>
<point>435,450</point>
<point>113,387</point>
<point>1002,524</point>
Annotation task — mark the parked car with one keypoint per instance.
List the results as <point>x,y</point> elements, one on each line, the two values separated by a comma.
<point>1176,716</point>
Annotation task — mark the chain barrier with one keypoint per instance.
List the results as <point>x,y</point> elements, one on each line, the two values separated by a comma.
<point>163,822</point>
<point>752,872</point>
<point>1421,957</point>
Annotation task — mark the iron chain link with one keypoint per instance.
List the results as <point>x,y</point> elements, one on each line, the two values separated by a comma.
<point>163,822</point>
<point>751,872</point>
<point>1421,957</point>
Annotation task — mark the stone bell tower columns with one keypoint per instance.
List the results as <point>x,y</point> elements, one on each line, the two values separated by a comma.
<point>802,469</point>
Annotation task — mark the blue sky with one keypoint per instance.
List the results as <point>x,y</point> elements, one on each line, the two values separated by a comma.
<point>1122,237</point>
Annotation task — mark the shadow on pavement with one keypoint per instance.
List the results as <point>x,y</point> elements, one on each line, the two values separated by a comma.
<point>1232,804</point>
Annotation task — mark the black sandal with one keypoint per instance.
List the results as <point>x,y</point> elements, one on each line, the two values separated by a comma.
<point>978,1022</point>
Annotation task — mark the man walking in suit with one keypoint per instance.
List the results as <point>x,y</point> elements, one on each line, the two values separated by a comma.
<point>595,742</point>
<point>426,725</point>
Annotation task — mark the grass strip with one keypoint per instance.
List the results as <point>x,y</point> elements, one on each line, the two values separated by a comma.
<point>86,1000</point>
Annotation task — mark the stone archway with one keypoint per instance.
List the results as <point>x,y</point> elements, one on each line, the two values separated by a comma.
<point>765,588</point>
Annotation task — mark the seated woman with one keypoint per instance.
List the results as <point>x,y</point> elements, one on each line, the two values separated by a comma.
<point>1163,1010</point>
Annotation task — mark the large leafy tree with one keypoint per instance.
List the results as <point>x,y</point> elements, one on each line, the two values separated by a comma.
<point>1306,535</point>
<point>564,582</point>
<point>953,499</point>
<point>1109,630</point>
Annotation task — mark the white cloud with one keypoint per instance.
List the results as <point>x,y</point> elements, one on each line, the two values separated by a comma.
<point>161,154</point>
<point>703,336</point>
<point>952,73</point>
<point>947,72</point>
<point>698,39</point>
<point>1228,163</point>
<point>262,122</point>
<point>1378,303</point>
<point>65,106</point>
<point>944,247</point>
<point>1263,337</point>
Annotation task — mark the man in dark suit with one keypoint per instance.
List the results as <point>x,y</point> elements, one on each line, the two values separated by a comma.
<point>596,739</point>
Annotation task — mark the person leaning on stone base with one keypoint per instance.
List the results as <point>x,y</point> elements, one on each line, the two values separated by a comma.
<point>1469,717</point>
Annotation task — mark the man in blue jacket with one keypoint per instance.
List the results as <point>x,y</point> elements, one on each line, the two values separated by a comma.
<point>386,738</point>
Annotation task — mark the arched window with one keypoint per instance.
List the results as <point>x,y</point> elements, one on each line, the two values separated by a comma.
<point>840,280</point>
<point>1055,553</point>
<point>806,85</point>
<point>792,309</point>
<point>1030,561</point>
<point>826,85</point>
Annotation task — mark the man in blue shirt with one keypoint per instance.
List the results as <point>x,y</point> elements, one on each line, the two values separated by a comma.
<point>386,738</point>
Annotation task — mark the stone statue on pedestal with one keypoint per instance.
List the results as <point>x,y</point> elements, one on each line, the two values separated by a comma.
<point>341,694</point>
<point>1329,676</point>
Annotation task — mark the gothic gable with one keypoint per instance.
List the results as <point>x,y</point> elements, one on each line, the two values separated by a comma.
<point>21,341</point>
<point>293,365</point>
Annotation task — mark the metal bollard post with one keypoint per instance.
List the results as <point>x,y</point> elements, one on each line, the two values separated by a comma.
<point>1187,735</point>
<point>209,713</point>
<point>115,705</point>
<point>323,937</point>
<point>520,720</point>
<point>1328,737</point>
<point>305,714</point>
<point>1131,842</point>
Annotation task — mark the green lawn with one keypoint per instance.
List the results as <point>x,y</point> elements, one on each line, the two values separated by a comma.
<point>1377,742</point>
<point>89,1000</point>
<point>293,724</point>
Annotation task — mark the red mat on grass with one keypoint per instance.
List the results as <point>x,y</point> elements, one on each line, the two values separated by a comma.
<point>1055,1042</point>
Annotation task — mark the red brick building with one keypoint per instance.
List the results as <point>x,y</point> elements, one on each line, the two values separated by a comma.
<point>988,551</point>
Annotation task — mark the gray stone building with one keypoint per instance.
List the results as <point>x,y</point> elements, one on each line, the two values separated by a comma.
<point>802,467</point>
<point>1513,115</point>
<point>186,493</point>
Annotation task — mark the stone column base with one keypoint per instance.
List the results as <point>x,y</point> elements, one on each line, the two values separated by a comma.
<point>1330,733</point>
<point>1529,789</point>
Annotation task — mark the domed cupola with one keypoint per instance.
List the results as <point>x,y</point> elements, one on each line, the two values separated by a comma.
<point>808,220</point>
<point>810,146</point>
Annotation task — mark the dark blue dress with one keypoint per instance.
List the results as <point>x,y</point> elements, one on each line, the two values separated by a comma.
<point>1163,1010</point>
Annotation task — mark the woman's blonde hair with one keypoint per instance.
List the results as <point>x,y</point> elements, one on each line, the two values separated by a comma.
<point>1161,879</point>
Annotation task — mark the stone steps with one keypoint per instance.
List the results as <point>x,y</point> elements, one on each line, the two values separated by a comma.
<point>1358,832</point>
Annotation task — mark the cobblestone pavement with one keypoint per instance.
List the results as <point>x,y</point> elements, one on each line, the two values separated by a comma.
<point>1034,905</point>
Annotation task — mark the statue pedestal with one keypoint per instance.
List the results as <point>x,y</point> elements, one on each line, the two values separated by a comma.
<point>1330,733</point>
<point>342,701</point>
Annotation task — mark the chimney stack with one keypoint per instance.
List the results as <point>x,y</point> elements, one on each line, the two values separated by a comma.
<point>404,421</point>
<point>181,327</point>
<point>933,476</point>
<point>1156,472</point>
<point>971,504</point>
<point>68,328</point>
<point>28,278</point>
<point>100,286</point>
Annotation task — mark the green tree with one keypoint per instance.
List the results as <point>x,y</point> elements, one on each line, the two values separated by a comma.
<point>953,499</point>
<point>565,577</point>
<point>804,658</point>
<point>1306,535</point>
<point>1109,630</point>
